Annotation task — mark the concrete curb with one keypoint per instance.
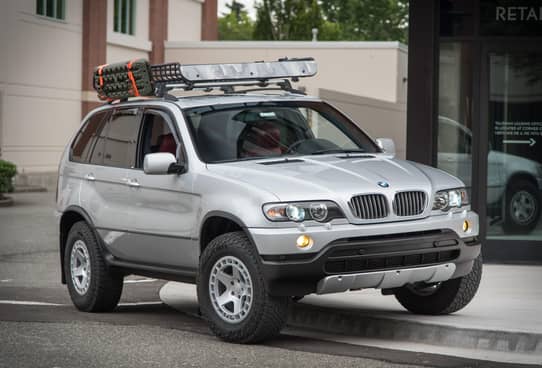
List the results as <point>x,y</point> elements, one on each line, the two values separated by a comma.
<point>29,189</point>
<point>6,202</point>
<point>348,323</point>
<point>344,322</point>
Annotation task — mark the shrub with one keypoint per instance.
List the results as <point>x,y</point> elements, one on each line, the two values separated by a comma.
<point>7,172</point>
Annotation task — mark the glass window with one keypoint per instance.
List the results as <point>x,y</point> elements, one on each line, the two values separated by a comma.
<point>514,167</point>
<point>124,16</point>
<point>116,144</point>
<point>259,130</point>
<point>156,136</point>
<point>83,143</point>
<point>456,18</point>
<point>454,146</point>
<point>51,8</point>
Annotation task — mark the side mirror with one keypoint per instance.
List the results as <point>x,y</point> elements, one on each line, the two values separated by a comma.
<point>161,163</point>
<point>387,145</point>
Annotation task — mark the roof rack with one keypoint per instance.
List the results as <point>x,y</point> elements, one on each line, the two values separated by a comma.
<point>138,78</point>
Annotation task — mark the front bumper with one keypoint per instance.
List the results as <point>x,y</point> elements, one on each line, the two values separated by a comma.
<point>360,256</point>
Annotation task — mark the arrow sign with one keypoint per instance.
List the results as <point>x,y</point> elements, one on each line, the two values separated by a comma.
<point>531,142</point>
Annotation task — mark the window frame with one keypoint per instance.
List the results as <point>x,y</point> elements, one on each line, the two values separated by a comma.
<point>180,155</point>
<point>58,9</point>
<point>124,22</point>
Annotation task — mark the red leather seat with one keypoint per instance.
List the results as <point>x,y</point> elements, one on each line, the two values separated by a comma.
<point>167,144</point>
<point>263,139</point>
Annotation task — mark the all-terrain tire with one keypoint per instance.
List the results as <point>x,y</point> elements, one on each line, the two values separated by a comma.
<point>449,297</point>
<point>105,286</point>
<point>512,224</point>
<point>267,314</point>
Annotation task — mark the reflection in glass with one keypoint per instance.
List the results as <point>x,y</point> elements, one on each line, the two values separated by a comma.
<point>514,174</point>
<point>455,119</point>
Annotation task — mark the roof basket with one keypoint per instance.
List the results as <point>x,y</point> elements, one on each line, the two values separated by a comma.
<point>139,78</point>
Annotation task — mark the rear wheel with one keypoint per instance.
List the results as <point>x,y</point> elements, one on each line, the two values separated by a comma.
<point>444,297</point>
<point>92,286</point>
<point>233,295</point>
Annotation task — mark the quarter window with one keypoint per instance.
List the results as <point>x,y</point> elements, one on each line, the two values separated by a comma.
<point>82,145</point>
<point>124,16</point>
<point>51,8</point>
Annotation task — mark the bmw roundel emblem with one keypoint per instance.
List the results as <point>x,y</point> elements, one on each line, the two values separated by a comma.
<point>383,184</point>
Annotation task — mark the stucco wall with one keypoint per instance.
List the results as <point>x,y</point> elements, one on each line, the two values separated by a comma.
<point>40,83</point>
<point>184,20</point>
<point>371,69</point>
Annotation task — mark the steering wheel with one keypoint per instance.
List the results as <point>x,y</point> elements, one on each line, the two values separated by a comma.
<point>309,145</point>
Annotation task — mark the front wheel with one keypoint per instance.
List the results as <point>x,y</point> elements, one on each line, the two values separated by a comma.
<point>442,298</point>
<point>233,295</point>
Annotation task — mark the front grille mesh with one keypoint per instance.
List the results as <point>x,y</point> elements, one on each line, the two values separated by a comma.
<point>388,261</point>
<point>409,203</point>
<point>369,206</point>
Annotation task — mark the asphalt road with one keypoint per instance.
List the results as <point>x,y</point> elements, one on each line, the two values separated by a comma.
<point>40,328</point>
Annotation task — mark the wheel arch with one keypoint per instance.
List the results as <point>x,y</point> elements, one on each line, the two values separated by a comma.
<point>521,175</point>
<point>216,223</point>
<point>70,216</point>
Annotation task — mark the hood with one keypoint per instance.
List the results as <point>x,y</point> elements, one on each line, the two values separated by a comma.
<point>335,177</point>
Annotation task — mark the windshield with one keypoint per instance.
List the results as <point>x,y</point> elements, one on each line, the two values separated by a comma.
<point>273,129</point>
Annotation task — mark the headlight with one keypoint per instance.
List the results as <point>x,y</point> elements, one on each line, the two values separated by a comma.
<point>321,211</point>
<point>453,198</point>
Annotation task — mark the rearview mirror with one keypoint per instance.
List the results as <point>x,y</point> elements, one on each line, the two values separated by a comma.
<point>387,145</point>
<point>161,163</point>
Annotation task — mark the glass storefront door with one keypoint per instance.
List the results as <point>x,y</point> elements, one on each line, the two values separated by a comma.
<point>514,153</point>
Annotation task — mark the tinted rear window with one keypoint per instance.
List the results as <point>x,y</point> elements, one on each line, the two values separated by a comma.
<point>121,132</point>
<point>83,143</point>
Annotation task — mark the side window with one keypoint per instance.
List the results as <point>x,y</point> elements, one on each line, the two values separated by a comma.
<point>117,142</point>
<point>83,143</point>
<point>156,136</point>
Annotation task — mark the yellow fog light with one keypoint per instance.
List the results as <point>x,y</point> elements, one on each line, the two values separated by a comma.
<point>466,226</point>
<point>304,241</point>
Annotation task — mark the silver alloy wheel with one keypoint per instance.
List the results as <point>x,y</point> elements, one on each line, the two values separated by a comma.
<point>230,289</point>
<point>523,207</point>
<point>80,267</point>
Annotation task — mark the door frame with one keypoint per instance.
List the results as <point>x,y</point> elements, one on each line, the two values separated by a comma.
<point>501,250</point>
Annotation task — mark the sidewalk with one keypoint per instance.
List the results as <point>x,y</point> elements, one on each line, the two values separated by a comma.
<point>502,323</point>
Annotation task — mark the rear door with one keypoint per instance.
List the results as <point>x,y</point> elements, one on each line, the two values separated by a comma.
<point>163,209</point>
<point>113,155</point>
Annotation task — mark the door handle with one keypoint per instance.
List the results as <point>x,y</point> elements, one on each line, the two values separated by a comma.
<point>132,183</point>
<point>90,177</point>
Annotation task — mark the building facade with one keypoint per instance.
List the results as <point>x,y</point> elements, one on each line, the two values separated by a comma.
<point>49,49</point>
<point>475,110</point>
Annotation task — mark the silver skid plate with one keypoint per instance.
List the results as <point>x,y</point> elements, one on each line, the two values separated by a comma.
<point>385,279</point>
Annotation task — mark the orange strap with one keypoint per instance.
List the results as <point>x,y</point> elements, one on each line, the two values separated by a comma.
<point>100,77</point>
<point>131,76</point>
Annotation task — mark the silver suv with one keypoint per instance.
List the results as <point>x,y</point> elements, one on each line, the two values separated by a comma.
<point>257,198</point>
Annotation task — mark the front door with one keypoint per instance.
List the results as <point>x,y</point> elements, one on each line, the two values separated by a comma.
<point>163,208</point>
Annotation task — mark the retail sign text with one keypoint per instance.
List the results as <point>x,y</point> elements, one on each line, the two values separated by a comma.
<point>518,14</point>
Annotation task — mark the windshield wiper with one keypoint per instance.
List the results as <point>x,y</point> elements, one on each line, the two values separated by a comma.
<point>338,150</point>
